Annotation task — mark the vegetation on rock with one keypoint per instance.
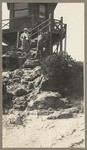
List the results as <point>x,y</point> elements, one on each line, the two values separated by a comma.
<point>64,73</point>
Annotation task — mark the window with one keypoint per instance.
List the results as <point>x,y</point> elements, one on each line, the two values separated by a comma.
<point>18,6</point>
<point>42,11</point>
<point>20,9</point>
<point>21,13</point>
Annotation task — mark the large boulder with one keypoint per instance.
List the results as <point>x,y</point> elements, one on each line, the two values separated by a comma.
<point>20,92</point>
<point>31,63</point>
<point>46,100</point>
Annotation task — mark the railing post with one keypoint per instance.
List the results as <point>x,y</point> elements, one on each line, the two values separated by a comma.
<point>50,31</point>
<point>61,34</point>
<point>65,37</point>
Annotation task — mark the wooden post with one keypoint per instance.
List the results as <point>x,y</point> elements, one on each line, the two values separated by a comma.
<point>17,39</point>
<point>38,31</point>
<point>32,20</point>
<point>50,31</point>
<point>32,23</point>
<point>61,34</point>
<point>57,46</point>
<point>65,37</point>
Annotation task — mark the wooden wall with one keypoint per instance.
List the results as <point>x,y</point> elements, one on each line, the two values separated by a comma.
<point>20,23</point>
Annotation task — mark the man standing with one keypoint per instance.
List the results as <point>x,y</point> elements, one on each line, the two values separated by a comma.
<point>39,45</point>
<point>25,40</point>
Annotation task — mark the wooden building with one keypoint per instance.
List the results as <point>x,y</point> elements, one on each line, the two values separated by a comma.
<point>34,16</point>
<point>26,15</point>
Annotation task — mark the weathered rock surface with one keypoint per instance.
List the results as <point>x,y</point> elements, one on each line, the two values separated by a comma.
<point>39,90</point>
<point>20,92</point>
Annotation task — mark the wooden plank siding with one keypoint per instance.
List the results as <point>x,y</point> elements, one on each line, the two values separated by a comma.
<point>33,9</point>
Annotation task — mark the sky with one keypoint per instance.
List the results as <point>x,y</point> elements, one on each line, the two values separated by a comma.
<point>73,16</point>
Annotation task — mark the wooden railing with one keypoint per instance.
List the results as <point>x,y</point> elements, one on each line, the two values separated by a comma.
<point>57,25</point>
<point>43,26</point>
<point>6,22</point>
<point>49,25</point>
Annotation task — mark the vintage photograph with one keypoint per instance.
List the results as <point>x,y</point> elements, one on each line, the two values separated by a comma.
<point>43,69</point>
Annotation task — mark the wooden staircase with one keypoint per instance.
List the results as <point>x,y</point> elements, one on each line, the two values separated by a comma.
<point>56,30</point>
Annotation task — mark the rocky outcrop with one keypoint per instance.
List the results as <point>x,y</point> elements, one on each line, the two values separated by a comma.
<point>33,89</point>
<point>29,88</point>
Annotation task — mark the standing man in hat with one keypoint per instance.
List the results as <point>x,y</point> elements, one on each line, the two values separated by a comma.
<point>25,40</point>
<point>39,45</point>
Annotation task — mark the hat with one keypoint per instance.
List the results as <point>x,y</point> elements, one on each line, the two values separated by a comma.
<point>25,29</point>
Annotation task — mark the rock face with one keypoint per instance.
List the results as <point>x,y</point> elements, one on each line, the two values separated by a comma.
<point>31,88</point>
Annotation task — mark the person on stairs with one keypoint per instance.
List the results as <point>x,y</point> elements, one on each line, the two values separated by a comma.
<point>25,40</point>
<point>39,45</point>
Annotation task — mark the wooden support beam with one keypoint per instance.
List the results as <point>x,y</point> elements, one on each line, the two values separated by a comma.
<point>61,34</point>
<point>50,31</point>
<point>32,20</point>
<point>57,46</point>
<point>17,46</point>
